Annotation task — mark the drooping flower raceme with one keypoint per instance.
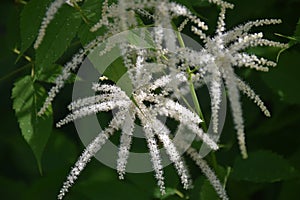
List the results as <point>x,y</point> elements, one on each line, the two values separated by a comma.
<point>226,49</point>
<point>159,77</point>
<point>128,108</point>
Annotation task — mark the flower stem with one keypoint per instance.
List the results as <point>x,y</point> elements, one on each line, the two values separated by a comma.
<point>191,85</point>
<point>196,101</point>
<point>83,16</point>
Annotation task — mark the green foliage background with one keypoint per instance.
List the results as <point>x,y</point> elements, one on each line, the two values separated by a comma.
<point>34,166</point>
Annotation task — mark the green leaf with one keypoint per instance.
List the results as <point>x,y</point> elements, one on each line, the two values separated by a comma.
<point>111,65</point>
<point>59,35</point>
<point>297,32</point>
<point>263,166</point>
<point>28,97</point>
<point>169,192</point>
<point>290,190</point>
<point>283,79</point>
<point>111,188</point>
<point>91,9</point>
<point>296,35</point>
<point>30,22</point>
<point>9,187</point>
<point>295,39</point>
<point>207,192</point>
<point>116,70</point>
<point>49,74</point>
<point>86,36</point>
<point>142,38</point>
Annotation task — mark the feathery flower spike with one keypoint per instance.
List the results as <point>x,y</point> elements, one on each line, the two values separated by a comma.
<point>225,49</point>
<point>159,77</point>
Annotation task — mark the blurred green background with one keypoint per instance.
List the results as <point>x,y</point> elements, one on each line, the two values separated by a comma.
<point>280,89</point>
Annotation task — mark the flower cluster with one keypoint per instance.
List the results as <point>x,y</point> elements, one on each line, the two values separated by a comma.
<point>159,77</point>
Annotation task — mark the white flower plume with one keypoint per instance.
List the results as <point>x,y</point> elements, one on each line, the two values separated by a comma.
<point>159,83</point>
<point>225,50</point>
<point>112,97</point>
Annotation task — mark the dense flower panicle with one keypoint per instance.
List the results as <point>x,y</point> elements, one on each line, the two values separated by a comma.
<point>251,94</point>
<point>221,3</point>
<point>186,117</point>
<point>90,151</point>
<point>112,97</point>
<point>163,135</point>
<point>62,78</point>
<point>225,50</point>
<point>52,10</point>
<point>155,158</point>
<point>253,62</point>
<point>215,90</point>
<point>160,77</point>
<point>125,143</point>
<point>219,188</point>
<point>242,30</point>
<point>70,67</point>
<point>111,12</point>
